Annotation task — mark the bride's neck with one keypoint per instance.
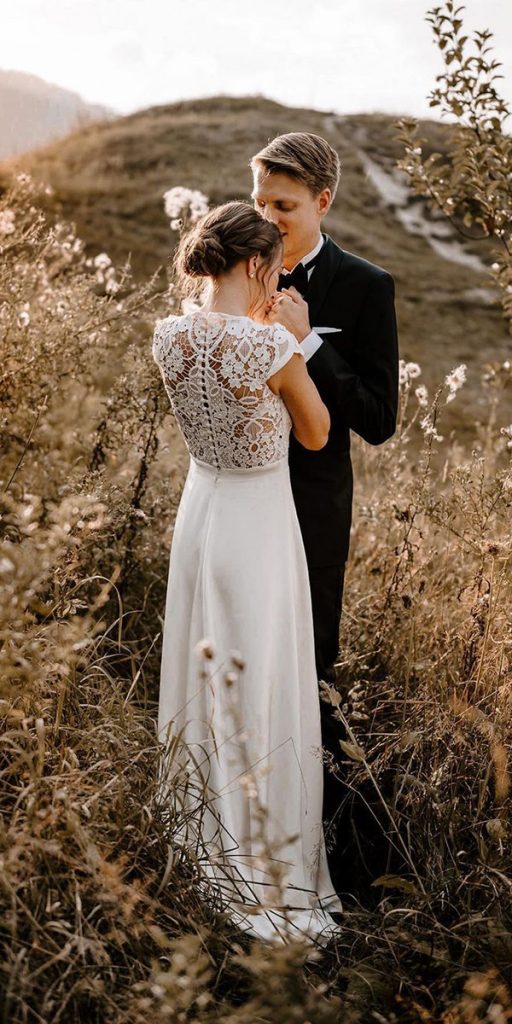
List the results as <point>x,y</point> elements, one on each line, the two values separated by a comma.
<point>226,297</point>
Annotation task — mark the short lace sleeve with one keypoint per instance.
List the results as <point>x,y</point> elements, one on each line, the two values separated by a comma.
<point>281,347</point>
<point>161,338</point>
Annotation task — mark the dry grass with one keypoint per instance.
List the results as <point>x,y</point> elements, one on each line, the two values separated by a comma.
<point>106,915</point>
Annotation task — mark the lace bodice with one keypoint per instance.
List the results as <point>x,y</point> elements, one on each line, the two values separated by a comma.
<point>215,367</point>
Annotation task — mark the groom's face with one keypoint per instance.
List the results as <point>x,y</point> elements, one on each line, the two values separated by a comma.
<point>290,205</point>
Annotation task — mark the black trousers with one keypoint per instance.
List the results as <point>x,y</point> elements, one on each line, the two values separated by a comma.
<point>356,844</point>
<point>327,595</point>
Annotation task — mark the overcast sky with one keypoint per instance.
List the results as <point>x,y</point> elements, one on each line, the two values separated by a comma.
<point>342,55</point>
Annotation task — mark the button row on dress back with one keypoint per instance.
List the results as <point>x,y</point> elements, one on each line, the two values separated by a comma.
<point>207,406</point>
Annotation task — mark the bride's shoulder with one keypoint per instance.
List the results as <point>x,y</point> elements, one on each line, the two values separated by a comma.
<point>164,330</point>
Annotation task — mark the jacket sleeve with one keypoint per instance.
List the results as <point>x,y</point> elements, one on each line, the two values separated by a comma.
<point>365,391</point>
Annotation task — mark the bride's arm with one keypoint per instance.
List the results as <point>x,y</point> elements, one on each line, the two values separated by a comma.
<point>310,417</point>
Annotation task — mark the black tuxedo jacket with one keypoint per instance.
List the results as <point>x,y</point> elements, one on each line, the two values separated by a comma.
<point>356,372</point>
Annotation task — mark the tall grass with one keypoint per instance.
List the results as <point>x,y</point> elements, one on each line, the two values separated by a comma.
<point>106,911</point>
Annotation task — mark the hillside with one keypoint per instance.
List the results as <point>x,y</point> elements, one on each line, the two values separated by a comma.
<point>109,178</point>
<point>33,112</point>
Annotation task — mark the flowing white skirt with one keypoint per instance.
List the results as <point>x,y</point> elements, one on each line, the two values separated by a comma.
<point>238,589</point>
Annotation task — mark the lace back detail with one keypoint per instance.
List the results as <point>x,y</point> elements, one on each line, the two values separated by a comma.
<point>215,368</point>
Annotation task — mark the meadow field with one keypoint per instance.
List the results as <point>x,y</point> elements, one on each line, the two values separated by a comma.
<point>105,913</point>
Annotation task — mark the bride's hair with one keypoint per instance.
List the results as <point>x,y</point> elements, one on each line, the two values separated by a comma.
<point>227,234</point>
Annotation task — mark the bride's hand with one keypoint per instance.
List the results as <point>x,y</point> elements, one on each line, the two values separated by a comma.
<point>270,306</point>
<point>291,310</point>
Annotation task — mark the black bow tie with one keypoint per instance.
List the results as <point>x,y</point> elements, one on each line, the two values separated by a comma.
<point>299,278</point>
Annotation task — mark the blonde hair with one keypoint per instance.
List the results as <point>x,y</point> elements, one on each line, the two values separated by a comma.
<point>306,157</point>
<point>221,238</point>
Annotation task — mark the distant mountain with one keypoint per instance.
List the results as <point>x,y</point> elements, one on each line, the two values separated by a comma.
<point>34,112</point>
<point>109,178</point>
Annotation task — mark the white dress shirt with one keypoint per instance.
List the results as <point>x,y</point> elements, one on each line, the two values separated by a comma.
<point>312,341</point>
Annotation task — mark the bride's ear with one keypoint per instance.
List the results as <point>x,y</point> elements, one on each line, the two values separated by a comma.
<point>251,266</point>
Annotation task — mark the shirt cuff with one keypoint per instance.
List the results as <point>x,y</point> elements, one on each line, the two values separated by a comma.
<point>310,344</point>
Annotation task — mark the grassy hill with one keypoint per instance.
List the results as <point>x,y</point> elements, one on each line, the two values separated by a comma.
<point>109,179</point>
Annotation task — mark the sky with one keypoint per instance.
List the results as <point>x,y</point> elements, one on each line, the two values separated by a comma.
<point>345,56</point>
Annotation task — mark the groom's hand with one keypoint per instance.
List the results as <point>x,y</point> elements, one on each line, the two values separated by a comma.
<point>291,310</point>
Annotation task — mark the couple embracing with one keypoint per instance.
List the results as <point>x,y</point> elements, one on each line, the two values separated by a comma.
<point>294,346</point>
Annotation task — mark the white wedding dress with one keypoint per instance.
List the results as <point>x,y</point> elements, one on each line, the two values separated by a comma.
<point>238,591</point>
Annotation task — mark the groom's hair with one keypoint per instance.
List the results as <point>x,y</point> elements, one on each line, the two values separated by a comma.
<point>306,157</point>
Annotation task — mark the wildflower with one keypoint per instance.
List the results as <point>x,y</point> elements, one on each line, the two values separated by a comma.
<point>429,429</point>
<point>455,380</point>
<point>179,198</point>
<point>248,783</point>
<point>237,660</point>
<point>24,315</point>
<point>408,371</point>
<point>205,649</point>
<point>421,394</point>
<point>7,224</point>
<point>507,432</point>
<point>102,260</point>
<point>413,370</point>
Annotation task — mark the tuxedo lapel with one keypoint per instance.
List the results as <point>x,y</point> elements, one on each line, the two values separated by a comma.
<point>327,265</point>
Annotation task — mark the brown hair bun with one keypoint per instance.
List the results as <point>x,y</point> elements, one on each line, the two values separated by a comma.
<point>225,235</point>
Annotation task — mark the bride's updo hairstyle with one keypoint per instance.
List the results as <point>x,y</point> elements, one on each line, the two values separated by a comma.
<point>221,238</point>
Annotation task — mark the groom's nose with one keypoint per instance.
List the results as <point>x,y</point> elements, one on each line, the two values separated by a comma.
<point>271,215</point>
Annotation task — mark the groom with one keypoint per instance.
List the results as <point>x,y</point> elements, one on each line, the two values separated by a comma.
<point>341,308</point>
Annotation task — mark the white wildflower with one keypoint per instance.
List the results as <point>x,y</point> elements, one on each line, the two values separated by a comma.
<point>422,395</point>
<point>495,267</point>
<point>248,783</point>
<point>176,224</point>
<point>408,371</point>
<point>179,198</point>
<point>429,429</point>
<point>102,260</point>
<point>237,659</point>
<point>7,222</point>
<point>413,370</point>
<point>455,380</point>
<point>24,315</point>
<point>507,432</point>
<point>205,648</point>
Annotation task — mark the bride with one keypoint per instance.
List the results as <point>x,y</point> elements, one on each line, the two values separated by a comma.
<point>238,681</point>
